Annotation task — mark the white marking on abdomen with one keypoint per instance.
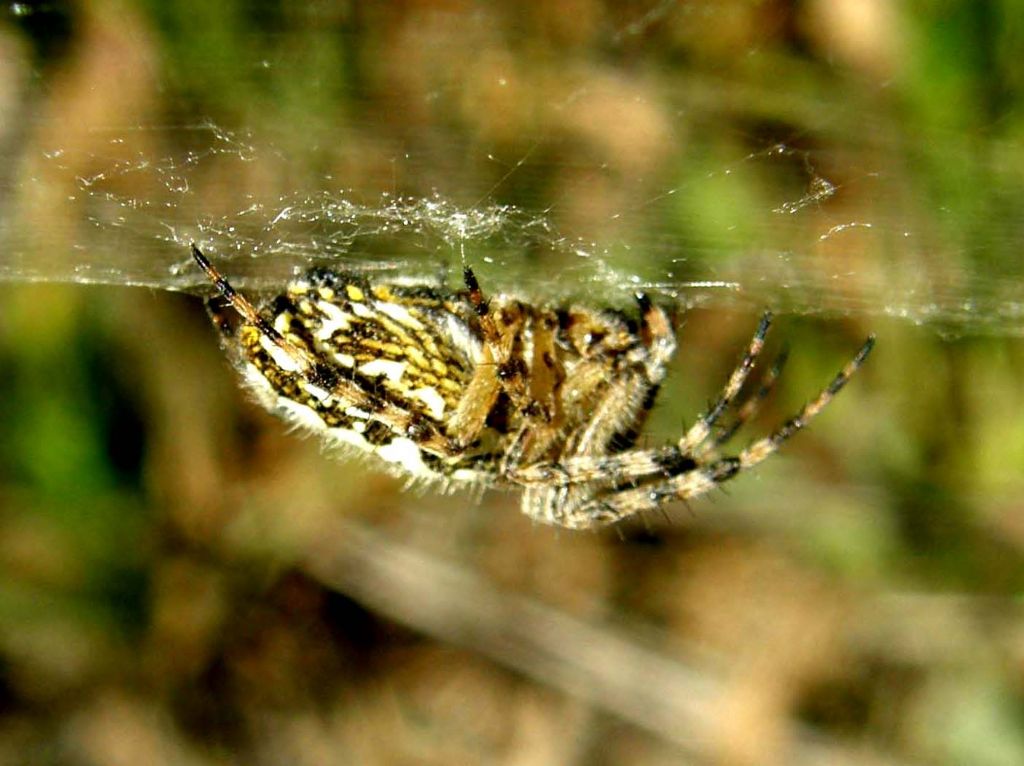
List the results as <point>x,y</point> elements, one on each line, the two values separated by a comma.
<point>433,400</point>
<point>334,319</point>
<point>281,358</point>
<point>463,339</point>
<point>390,369</point>
<point>399,313</point>
<point>345,360</point>
<point>316,392</point>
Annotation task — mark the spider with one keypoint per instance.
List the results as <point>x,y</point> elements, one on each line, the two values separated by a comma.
<point>464,388</point>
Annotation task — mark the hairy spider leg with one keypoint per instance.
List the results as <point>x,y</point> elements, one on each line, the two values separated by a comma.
<point>762,448</point>
<point>301,359</point>
<point>554,489</point>
<point>657,333</point>
<point>498,341</point>
<point>551,492</point>
<point>575,502</point>
<point>581,468</point>
<point>499,371</point>
<point>662,460</point>
<point>610,469</point>
<point>752,404</point>
<point>702,428</point>
<point>622,401</point>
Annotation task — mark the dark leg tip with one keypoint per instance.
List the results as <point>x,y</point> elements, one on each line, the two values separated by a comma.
<point>865,349</point>
<point>197,254</point>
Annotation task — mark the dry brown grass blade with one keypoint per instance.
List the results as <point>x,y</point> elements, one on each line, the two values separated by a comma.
<point>606,667</point>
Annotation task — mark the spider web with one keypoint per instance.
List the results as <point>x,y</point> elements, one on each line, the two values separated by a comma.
<point>124,210</point>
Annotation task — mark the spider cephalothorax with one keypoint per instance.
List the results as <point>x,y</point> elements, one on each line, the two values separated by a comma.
<point>457,387</point>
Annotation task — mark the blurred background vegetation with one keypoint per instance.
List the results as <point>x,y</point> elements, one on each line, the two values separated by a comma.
<point>183,581</point>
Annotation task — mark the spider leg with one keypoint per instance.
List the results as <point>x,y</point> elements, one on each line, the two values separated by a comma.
<point>586,506</point>
<point>291,356</point>
<point>499,340</point>
<point>587,457</point>
<point>702,428</point>
<point>591,491</point>
<point>610,469</point>
<point>762,448</point>
<point>659,338</point>
<point>500,370</point>
<point>552,489</point>
<point>620,406</point>
<point>750,407</point>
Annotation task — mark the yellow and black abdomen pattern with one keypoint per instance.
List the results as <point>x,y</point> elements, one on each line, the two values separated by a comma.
<point>405,356</point>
